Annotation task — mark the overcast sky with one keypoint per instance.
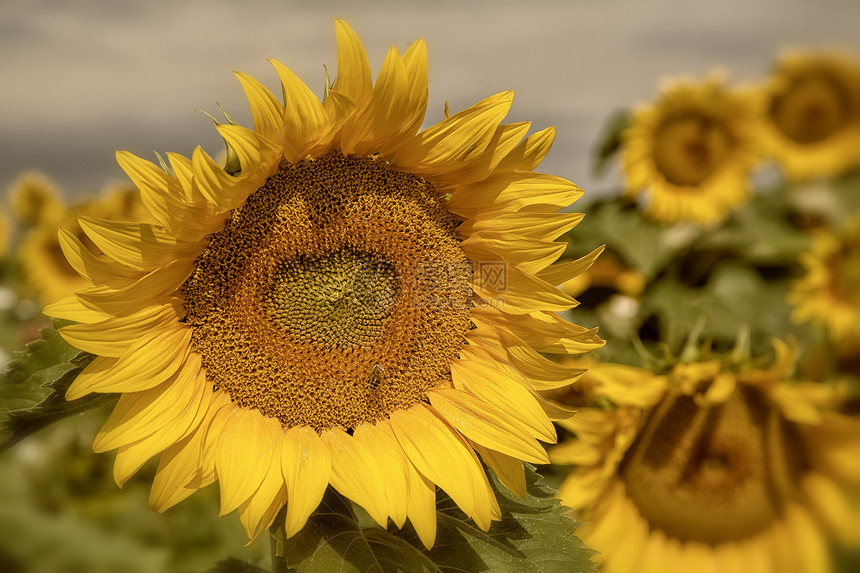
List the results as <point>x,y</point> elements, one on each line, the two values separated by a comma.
<point>83,78</point>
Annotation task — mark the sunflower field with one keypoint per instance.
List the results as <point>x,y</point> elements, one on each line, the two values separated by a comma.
<point>354,340</point>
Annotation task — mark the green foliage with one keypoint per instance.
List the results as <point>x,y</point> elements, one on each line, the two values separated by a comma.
<point>609,142</point>
<point>33,388</point>
<point>535,534</point>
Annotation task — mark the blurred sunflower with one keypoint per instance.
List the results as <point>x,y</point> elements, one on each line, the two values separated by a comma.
<point>35,198</point>
<point>690,152</point>
<point>812,114</point>
<point>829,292</point>
<point>610,273</point>
<point>45,273</point>
<point>5,234</point>
<point>361,305</point>
<point>710,469</point>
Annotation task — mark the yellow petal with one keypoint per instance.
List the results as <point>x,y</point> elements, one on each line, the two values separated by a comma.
<point>113,337</point>
<point>391,462</point>
<point>441,455</point>
<point>539,226</point>
<point>186,221</point>
<point>500,388</point>
<point>88,265</point>
<point>509,470</point>
<point>544,331</point>
<point>273,506</point>
<point>131,457</point>
<point>148,362</point>
<point>153,288</point>
<point>385,113</point>
<point>243,455</point>
<point>304,117</point>
<point>562,272</point>
<point>70,308</point>
<point>216,417</point>
<point>354,473</point>
<point>528,154</point>
<point>258,157</point>
<point>511,191</point>
<point>574,452</point>
<point>177,467</point>
<point>141,414</point>
<point>184,172</point>
<point>266,110</point>
<point>353,67</point>
<point>422,506</point>
<point>415,60</point>
<point>509,289</point>
<point>808,542</point>
<point>140,246</point>
<point>486,424</point>
<point>141,171</point>
<point>459,138</point>
<point>258,512</point>
<point>542,373</point>
<point>528,254</point>
<point>306,468</point>
<point>222,190</point>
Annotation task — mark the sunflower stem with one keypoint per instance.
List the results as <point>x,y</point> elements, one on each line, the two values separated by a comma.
<point>278,540</point>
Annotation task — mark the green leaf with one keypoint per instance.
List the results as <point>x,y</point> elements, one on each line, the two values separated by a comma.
<point>609,141</point>
<point>33,388</point>
<point>644,245</point>
<point>535,534</point>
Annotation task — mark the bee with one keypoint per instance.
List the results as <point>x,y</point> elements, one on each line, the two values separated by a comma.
<point>377,375</point>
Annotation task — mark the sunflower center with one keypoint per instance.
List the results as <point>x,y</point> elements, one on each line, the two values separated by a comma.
<point>341,300</point>
<point>336,294</point>
<point>713,474</point>
<point>812,109</point>
<point>690,148</point>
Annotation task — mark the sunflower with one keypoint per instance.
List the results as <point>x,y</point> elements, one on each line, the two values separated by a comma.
<point>812,114</point>
<point>360,304</point>
<point>690,153</point>
<point>829,292</point>
<point>5,234</point>
<point>35,198</point>
<point>46,274</point>
<point>711,468</point>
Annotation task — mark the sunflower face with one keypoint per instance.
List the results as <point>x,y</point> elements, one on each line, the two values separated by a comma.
<point>709,467</point>
<point>691,151</point>
<point>828,293</point>
<point>687,150</point>
<point>313,304</point>
<point>735,462</point>
<point>357,304</point>
<point>813,114</point>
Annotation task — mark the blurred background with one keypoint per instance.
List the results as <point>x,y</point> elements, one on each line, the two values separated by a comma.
<point>83,79</point>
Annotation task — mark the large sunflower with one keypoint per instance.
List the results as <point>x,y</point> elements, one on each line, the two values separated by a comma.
<point>711,468</point>
<point>361,305</point>
<point>812,114</point>
<point>690,152</point>
<point>829,292</point>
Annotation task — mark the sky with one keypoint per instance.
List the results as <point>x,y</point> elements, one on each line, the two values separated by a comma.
<point>82,79</point>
